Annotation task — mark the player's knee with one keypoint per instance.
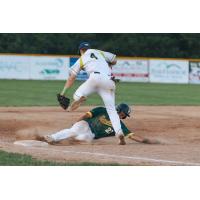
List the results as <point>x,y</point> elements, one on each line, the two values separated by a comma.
<point>78,97</point>
<point>84,137</point>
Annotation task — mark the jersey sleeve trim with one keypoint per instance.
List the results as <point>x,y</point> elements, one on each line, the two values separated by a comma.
<point>113,58</point>
<point>102,54</point>
<point>89,113</point>
<point>81,63</point>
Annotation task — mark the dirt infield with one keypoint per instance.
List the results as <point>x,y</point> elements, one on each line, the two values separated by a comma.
<point>176,127</point>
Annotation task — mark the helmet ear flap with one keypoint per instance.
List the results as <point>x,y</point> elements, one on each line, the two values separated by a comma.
<point>124,117</point>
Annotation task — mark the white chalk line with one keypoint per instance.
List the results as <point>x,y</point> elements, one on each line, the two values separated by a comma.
<point>116,156</point>
<point>125,157</point>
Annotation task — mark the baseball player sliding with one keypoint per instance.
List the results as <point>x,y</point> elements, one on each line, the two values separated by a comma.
<point>95,124</point>
<point>97,64</point>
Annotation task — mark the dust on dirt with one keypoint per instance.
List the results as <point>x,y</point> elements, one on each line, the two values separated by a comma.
<point>176,127</point>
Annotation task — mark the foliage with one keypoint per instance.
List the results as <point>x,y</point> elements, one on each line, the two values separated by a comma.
<point>171,45</point>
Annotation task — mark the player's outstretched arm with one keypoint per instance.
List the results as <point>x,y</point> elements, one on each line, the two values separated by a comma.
<point>140,139</point>
<point>69,83</point>
<point>62,99</point>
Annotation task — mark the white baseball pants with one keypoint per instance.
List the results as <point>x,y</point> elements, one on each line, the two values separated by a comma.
<point>105,87</point>
<point>80,131</point>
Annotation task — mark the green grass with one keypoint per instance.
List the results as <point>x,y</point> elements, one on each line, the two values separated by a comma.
<point>43,93</point>
<point>15,159</point>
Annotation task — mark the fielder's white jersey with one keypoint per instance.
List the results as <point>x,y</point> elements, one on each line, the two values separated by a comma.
<point>93,60</point>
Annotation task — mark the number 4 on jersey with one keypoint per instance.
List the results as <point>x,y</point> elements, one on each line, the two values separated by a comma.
<point>93,56</point>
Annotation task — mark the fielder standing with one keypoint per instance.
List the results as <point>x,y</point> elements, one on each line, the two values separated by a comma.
<point>97,64</point>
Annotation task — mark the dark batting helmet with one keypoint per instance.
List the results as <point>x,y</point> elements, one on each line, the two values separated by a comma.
<point>122,107</point>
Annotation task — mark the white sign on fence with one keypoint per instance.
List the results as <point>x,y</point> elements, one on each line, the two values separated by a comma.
<point>34,67</point>
<point>14,67</point>
<point>131,70</point>
<point>169,71</point>
<point>194,72</point>
<point>51,68</point>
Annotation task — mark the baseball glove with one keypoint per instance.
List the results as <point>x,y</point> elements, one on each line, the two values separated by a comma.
<point>63,101</point>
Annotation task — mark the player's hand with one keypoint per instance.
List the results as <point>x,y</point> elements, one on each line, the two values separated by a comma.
<point>151,141</point>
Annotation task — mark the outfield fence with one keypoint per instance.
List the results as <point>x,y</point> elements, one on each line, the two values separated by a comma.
<point>127,69</point>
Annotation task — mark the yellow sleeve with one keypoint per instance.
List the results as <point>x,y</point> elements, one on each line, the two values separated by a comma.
<point>89,113</point>
<point>101,52</point>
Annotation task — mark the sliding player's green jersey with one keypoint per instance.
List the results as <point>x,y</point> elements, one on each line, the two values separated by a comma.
<point>100,123</point>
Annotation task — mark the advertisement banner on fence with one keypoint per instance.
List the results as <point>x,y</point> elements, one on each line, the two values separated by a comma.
<point>194,72</point>
<point>14,67</point>
<point>169,71</point>
<point>131,70</point>
<point>34,67</point>
<point>49,68</point>
<point>82,75</point>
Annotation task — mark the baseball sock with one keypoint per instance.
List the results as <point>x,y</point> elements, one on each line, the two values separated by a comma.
<point>63,134</point>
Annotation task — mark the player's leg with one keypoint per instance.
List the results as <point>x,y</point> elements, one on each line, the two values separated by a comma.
<point>86,134</point>
<point>62,134</point>
<point>77,103</point>
<point>108,97</point>
<point>87,88</point>
<point>109,101</point>
<point>79,128</point>
<point>106,89</point>
<point>58,136</point>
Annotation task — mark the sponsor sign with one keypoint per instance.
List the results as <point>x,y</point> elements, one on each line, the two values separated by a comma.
<point>14,67</point>
<point>131,70</point>
<point>194,72</point>
<point>34,67</point>
<point>51,68</point>
<point>169,71</point>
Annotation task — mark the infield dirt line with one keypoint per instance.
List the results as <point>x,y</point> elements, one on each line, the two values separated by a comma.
<point>123,157</point>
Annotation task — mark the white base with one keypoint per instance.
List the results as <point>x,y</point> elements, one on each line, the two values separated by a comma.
<point>31,143</point>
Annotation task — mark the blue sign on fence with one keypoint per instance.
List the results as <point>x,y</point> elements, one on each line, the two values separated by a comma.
<point>82,76</point>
